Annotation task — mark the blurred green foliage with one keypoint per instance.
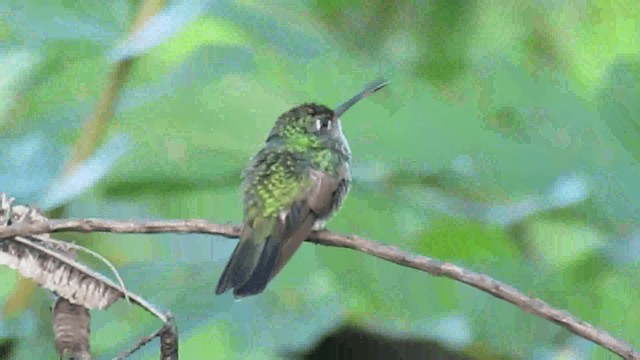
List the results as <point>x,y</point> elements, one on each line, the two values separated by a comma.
<point>507,143</point>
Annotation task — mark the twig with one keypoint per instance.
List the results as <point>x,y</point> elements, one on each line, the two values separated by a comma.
<point>142,342</point>
<point>169,341</point>
<point>385,252</point>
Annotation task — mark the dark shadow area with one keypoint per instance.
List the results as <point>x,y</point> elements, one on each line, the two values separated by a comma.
<point>6,347</point>
<point>350,343</point>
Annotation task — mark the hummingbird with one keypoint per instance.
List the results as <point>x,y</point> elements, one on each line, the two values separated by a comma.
<point>291,187</point>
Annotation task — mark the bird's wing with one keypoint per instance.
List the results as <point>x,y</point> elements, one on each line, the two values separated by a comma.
<point>282,203</point>
<point>311,204</point>
<point>321,196</point>
<point>271,183</point>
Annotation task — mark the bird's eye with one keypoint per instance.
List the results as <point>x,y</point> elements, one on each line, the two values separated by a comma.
<point>324,124</point>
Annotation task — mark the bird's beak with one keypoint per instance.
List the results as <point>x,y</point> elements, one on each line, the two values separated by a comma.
<point>368,90</point>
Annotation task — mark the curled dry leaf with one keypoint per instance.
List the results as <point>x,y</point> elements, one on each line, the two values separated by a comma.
<point>51,264</point>
<point>71,329</point>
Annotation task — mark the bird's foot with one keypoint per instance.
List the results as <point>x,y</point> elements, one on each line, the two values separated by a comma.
<point>319,226</point>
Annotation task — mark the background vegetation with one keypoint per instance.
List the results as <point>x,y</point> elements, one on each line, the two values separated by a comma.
<point>507,143</point>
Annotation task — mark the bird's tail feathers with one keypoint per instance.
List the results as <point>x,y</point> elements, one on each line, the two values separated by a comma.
<point>252,262</point>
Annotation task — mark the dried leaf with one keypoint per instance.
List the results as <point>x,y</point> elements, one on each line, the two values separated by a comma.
<point>71,328</point>
<point>58,273</point>
<point>51,264</point>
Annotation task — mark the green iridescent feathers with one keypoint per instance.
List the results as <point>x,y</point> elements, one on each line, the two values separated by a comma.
<point>276,218</point>
<point>293,185</point>
<point>273,182</point>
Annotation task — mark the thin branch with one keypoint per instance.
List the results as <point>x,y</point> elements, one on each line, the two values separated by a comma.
<point>390,253</point>
<point>168,334</point>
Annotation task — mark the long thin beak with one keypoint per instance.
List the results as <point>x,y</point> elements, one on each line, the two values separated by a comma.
<point>368,90</point>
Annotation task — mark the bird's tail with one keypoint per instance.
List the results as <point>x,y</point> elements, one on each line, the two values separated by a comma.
<point>252,262</point>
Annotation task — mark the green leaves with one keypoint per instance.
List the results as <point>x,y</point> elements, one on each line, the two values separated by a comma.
<point>29,163</point>
<point>85,176</point>
<point>618,103</point>
<point>33,23</point>
<point>158,29</point>
<point>21,61</point>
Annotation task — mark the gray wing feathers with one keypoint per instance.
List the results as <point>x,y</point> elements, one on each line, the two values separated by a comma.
<point>321,197</point>
<point>317,203</point>
<point>257,259</point>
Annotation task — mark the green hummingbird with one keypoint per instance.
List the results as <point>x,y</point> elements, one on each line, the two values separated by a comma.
<point>292,186</point>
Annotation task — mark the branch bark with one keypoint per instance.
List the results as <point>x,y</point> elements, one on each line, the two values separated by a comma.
<point>389,253</point>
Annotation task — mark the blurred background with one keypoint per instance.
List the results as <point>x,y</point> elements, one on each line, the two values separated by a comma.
<point>507,143</point>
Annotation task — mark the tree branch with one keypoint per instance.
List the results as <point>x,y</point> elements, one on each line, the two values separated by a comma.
<point>389,253</point>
